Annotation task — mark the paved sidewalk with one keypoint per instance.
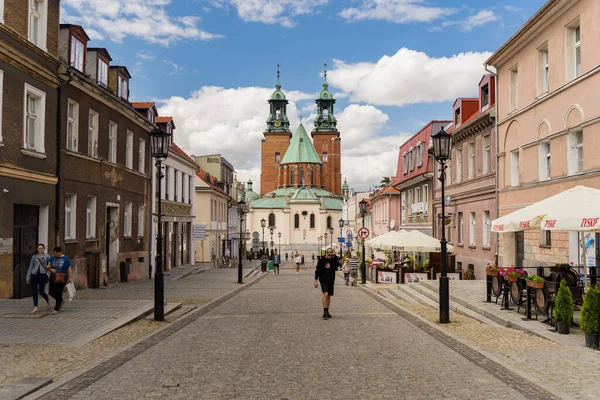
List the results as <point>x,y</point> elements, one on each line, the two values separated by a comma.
<point>270,342</point>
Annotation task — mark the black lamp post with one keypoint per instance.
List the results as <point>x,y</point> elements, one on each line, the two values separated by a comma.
<point>319,240</point>
<point>263,223</point>
<point>279,251</point>
<point>362,205</point>
<point>341,235</point>
<point>160,141</point>
<point>441,152</point>
<point>242,211</point>
<point>325,242</point>
<point>272,245</point>
<point>331,237</point>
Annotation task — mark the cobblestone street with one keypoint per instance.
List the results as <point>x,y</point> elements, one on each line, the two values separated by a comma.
<point>270,342</point>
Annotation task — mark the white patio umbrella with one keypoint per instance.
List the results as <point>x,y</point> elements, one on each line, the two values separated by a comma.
<point>388,239</point>
<point>576,209</point>
<point>420,242</point>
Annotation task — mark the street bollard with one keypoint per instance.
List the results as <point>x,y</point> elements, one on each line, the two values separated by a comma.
<point>488,289</point>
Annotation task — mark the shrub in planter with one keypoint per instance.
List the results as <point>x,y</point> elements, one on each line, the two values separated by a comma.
<point>563,309</point>
<point>589,318</point>
<point>535,281</point>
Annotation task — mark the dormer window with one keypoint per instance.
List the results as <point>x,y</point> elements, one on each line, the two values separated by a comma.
<point>38,17</point>
<point>169,128</point>
<point>123,88</point>
<point>485,97</point>
<point>457,117</point>
<point>102,72</point>
<point>151,116</point>
<point>77,56</point>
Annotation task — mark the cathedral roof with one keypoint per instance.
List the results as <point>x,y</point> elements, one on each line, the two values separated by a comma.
<point>251,195</point>
<point>304,193</point>
<point>301,149</point>
<point>279,199</point>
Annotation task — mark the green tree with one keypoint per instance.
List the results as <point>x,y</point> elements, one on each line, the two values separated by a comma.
<point>385,180</point>
<point>563,309</point>
<point>589,312</point>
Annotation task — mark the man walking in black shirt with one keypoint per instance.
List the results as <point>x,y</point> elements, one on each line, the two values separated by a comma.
<point>325,274</point>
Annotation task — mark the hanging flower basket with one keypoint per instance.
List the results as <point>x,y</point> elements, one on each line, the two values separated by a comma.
<point>493,273</point>
<point>509,278</point>
<point>535,285</point>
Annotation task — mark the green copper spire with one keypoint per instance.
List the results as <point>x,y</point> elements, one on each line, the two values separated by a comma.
<point>325,120</point>
<point>278,120</point>
<point>301,149</point>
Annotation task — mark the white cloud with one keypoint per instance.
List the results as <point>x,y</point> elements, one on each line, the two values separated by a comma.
<point>144,55</point>
<point>143,19</point>
<point>481,18</point>
<point>512,8</point>
<point>175,68</point>
<point>272,11</point>
<point>397,11</point>
<point>409,77</point>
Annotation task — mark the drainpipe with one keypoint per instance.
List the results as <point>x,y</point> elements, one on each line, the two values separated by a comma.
<point>496,140</point>
<point>58,157</point>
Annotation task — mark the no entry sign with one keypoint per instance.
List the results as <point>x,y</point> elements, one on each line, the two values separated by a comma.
<point>363,233</point>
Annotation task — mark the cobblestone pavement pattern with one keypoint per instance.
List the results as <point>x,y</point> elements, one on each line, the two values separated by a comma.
<point>32,358</point>
<point>270,342</point>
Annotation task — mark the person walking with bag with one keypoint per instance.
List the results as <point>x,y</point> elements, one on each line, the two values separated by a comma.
<point>37,276</point>
<point>325,274</point>
<point>60,274</point>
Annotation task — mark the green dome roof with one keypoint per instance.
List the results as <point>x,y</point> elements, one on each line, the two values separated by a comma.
<point>251,195</point>
<point>325,93</point>
<point>301,149</point>
<point>345,185</point>
<point>304,193</point>
<point>278,94</point>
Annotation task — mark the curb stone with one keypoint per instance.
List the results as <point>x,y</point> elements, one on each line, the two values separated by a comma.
<point>493,365</point>
<point>61,390</point>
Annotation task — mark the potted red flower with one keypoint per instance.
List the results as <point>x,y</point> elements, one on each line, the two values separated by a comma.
<point>511,274</point>
<point>492,270</point>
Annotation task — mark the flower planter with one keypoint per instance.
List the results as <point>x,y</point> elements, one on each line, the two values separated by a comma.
<point>564,328</point>
<point>510,278</point>
<point>535,285</point>
<point>493,273</point>
<point>592,339</point>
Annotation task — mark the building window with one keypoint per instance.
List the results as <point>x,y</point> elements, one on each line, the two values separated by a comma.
<point>545,238</point>
<point>324,157</point>
<point>127,220</point>
<point>573,58</point>
<point>472,226</point>
<point>175,184</point>
<point>70,216</point>
<point>514,89</point>
<point>460,228</point>
<point>485,97</point>
<point>403,208</point>
<point>412,158</point>
<point>277,157</point>
<point>450,232</point>
<point>77,57</point>
<point>543,71</point>
<point>457,117</point>
<point>292,180</point>
<point>296,221</point>
<point>123,88</point>
<point>312,177</point>
<point>90,218</point>
<point>329,221</point>
<point>405,163</point>
<point>191,187</point>
<point>486,228</point>
<point>38,16</point>
<point>410,199</point>
<point>271,220</point>
<point>142,156</point>
<point>417,198</point>
<point>129,150</point>
<point>93,134</point>
<point>1,11</point>
<point>471,160</point>
<point>514,168</point>
<point>487,155</point>
<point>112,142</point>
<point>183,191</point>
<point>168,183</point>
<point>141,216</point>
<point>448,173</point>
<point>459,164</point>
<point>302,183</point>
<point>151,116</point>
<point>544,167</point>
<point>419,154</point>
<point>575,155</point>
<point>312,221</point>
<point>72,125</point>
<point>35,115</point>
<point>102,72</point>
<point>425,198</point>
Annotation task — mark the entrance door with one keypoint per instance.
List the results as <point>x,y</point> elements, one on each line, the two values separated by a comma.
<point>519,249</point>
<point>175,244</point>
<point>25,239</point>
<point>112,242</point>
<point>185,254</point>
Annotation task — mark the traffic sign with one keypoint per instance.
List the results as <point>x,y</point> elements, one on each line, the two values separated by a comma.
<point>349,233</point>
<point>341,240</point>
<point>363,233</point>
<point>199,232</point>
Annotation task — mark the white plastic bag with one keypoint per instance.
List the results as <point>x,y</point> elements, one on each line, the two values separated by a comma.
<point>71,290</point>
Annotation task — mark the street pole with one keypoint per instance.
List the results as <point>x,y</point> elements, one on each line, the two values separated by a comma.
<point>341,233</point>
<point>263,241</point>
<point>240,273</point>
<point>159,280</point>
<point>444,282</point>
<point>364,265</point>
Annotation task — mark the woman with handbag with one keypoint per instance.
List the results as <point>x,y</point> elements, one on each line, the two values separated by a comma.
<point>37,276</point>
<point>60,274</point>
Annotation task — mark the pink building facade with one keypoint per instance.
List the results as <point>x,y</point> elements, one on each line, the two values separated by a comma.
<point>548,122</point>
<point>471,181</point>
<point>385,210</point>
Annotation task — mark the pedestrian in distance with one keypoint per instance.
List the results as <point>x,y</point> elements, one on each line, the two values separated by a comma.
<point>286,256</point>
<point>276,262</point>
<point>37,276</point>
<point>302,259</point>
<point>346,270</point>
<point>313,258</point>
<point>60,274</point>
<point>353,270</point>
<point>325,275</point>
<point>298,261</point>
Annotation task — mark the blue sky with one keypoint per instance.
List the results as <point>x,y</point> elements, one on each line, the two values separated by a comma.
<point>393,64</point>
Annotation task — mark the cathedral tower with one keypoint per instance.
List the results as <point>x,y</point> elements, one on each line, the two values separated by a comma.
<point>326,140</point>
<point>276,141</point>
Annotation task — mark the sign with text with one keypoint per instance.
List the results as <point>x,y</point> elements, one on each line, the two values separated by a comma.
<point>199,232</point>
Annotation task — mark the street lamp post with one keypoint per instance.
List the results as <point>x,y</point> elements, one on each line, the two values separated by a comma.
<point>441,152</point>
<point>341,233</point>
<point>325,242</point>
<point>272,244</point>
<point>319,241</point>
<point>279,251</point>
<point>242,211</point>
<point>363,210</point>
<point>263,223</point>
<point>331,237</point>
<point>160,141</point>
